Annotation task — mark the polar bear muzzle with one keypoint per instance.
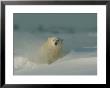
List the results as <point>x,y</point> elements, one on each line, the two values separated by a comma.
<point>56,42</point>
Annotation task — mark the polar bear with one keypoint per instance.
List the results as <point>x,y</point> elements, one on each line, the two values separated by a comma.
<point>51,50</point>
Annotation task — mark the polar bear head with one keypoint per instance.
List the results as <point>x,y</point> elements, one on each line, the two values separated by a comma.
<point>55,41</point>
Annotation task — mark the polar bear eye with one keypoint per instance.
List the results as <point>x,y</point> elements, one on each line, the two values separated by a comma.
<point>54,40</point>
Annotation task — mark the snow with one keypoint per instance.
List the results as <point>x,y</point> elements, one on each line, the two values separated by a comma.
<point>75,66</point>
<point>78,61</point>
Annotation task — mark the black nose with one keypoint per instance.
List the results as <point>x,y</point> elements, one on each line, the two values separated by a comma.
<point>56,43</point>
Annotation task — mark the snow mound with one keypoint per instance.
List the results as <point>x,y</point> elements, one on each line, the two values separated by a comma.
<point>71,64</point>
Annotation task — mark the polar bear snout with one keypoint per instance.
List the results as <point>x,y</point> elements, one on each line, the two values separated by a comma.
<point>58,41</point>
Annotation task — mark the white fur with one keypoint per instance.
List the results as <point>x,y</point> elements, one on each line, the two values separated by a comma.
<point>50,52</point>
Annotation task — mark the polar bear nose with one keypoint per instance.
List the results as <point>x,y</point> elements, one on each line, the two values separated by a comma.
<point>56,43</point>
